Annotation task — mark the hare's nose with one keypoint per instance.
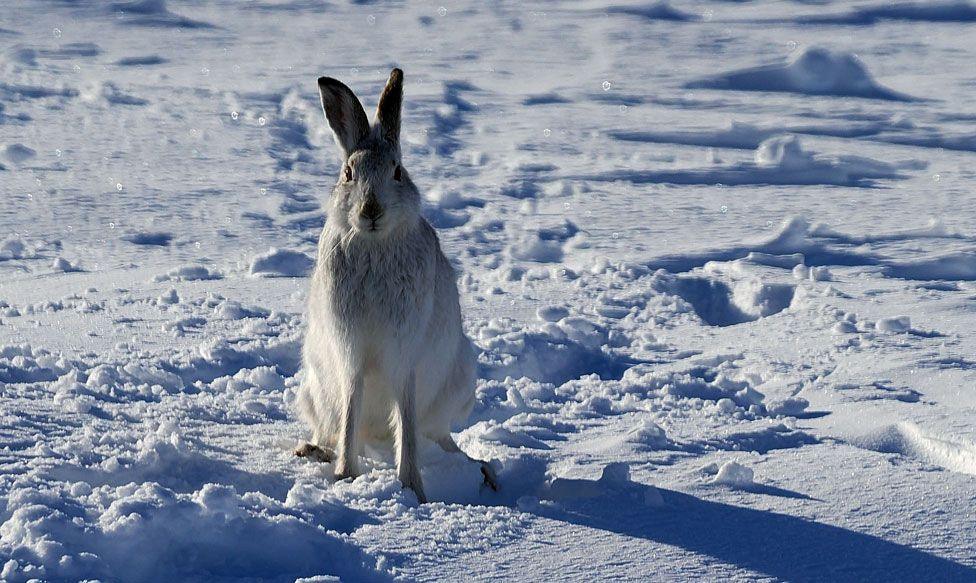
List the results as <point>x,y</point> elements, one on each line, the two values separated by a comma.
<point>372,209</point>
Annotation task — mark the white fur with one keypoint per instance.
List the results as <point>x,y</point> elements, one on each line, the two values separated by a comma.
<point>385,355</point>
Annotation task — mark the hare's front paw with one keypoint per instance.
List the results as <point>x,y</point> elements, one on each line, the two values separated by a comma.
<point>340,476</point>
<point>418,489</point>
<point>346,470</point>
<point>315,453</point>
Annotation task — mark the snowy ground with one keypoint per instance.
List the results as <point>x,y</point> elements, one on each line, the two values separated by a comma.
<point>718,257</point>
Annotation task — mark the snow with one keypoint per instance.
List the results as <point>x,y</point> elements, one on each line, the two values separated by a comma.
<point>282,263</point>
<point>716,258</point>
<point>894,324</point>
<point>734,474</point>
<point>812,71</point>
<point>63,265</point>
<point>18,153</point>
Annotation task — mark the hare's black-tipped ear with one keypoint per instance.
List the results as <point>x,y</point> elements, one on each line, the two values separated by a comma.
<point>345,114</point>
<point>388,110</point>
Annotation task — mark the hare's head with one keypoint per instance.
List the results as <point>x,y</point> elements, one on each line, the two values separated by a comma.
<point>374,195</point>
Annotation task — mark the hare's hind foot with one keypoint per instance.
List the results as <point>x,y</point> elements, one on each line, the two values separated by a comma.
<point>491,479</point>
<point>450,446</point>
<point>315,453</point>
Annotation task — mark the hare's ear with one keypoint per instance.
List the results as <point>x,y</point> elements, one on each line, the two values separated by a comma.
<point>345,114</point>
<point>388,110</point>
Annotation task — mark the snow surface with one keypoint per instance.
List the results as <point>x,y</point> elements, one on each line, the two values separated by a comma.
<point>717,257</point>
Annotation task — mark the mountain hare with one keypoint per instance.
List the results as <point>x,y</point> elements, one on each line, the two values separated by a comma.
<point>385,355</point>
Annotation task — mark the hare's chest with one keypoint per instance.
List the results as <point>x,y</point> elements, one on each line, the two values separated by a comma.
<point>378,293</point>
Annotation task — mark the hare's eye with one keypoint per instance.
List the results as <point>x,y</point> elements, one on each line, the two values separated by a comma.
<point>347,174</point>
<point>398,174</point>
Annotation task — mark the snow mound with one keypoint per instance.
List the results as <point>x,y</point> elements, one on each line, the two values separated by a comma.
<point>648,436</point>
<point>780,159</point>
<point>957,266</point>
<point>282,263</point>
<point>653,11</point>
<point>814,71</point>
<point>785,155</point>
<point>933,11</point>
<point>154,13</point>
<point>140,61</point>
<point>910,440</point>
<point>555,353</point>
<point>76,532</point>
<point>740,135</point>
<point>25,364</point>
<point>16,248</point>
<point>109,93</point>
<point>153,238</point>
<point>783,152</point>
<point>547,244</point>
<point>789,406</point>
<point>18,153</point>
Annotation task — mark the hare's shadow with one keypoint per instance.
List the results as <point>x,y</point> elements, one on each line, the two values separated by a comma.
<point>785,547</point>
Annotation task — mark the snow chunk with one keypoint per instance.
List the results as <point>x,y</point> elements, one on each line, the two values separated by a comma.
<point>734,474</point>
<point>531,247</point>
<point>552,313</point>
<point>844,327</point>
<point>108,92</point>
<point>62,265</point>
<point>189,273</point>
<point>894,324</point>
<point>817,273</point>
<point>282,263</point>
<point>169,297</point>
<point>648,434</point>
<point>783,152</point>
<point>790,406</point>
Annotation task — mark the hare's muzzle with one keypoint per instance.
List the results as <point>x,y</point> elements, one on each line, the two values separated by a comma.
<point>371,211</point>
